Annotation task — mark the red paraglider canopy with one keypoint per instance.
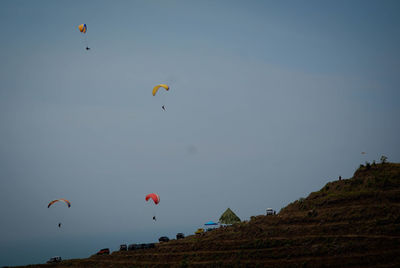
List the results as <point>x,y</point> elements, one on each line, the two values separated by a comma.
<point>153,196</point>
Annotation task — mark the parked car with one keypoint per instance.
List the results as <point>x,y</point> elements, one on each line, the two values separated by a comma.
<point>148,245</point>
<point>123,247</point>
<point>180,236</point>
<point>132,247</point>
<point>270,211</point>
<point>56,259</point>
<point>199,231</point>
<point>104,251</point>
<point>141,246</point>
<point>163,239</point>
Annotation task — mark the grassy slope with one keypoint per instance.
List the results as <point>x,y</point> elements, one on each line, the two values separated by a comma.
<point>348,223</point>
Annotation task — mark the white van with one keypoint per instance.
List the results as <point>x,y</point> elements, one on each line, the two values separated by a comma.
<point>54,259</point>
<point>270,211</point>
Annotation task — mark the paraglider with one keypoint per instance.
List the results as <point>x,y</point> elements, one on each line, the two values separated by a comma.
<point>156,88</point>
<point>59,200</point>
<point>83,29</point>
<point>363,152</point>
<point>156,200</point>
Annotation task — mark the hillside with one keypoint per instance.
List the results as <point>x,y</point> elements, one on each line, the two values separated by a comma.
<point>348,223</point>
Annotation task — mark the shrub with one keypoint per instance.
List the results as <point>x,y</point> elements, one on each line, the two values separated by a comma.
<point>312,213</point>
<point>367,165</point>
<point>184,263</point>
<point>383,159</point>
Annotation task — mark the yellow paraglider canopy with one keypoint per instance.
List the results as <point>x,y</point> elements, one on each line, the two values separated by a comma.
<point>155,89</point>
<point>82,28</point>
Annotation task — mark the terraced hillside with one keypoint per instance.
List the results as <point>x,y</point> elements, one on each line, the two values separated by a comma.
<point>348,223</point>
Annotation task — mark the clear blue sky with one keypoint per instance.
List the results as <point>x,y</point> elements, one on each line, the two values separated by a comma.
<point>269,101</point>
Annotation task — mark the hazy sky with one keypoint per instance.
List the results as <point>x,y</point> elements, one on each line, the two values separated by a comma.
<point>269,101</point>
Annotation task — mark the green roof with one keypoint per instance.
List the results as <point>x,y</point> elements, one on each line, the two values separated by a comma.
<point>228,217</point>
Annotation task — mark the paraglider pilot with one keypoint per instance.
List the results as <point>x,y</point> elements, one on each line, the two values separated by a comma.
<point>59,225</point>
<point>163,107</point>
<point>154,218</point>
<point>87,48</point>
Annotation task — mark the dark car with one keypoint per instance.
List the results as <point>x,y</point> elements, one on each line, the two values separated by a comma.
<point>180,236</point>
<point>133,247</point>
<point>163,239</point>
<point>123,247</point>
<point>104,251</point>
<point>54,260</point>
